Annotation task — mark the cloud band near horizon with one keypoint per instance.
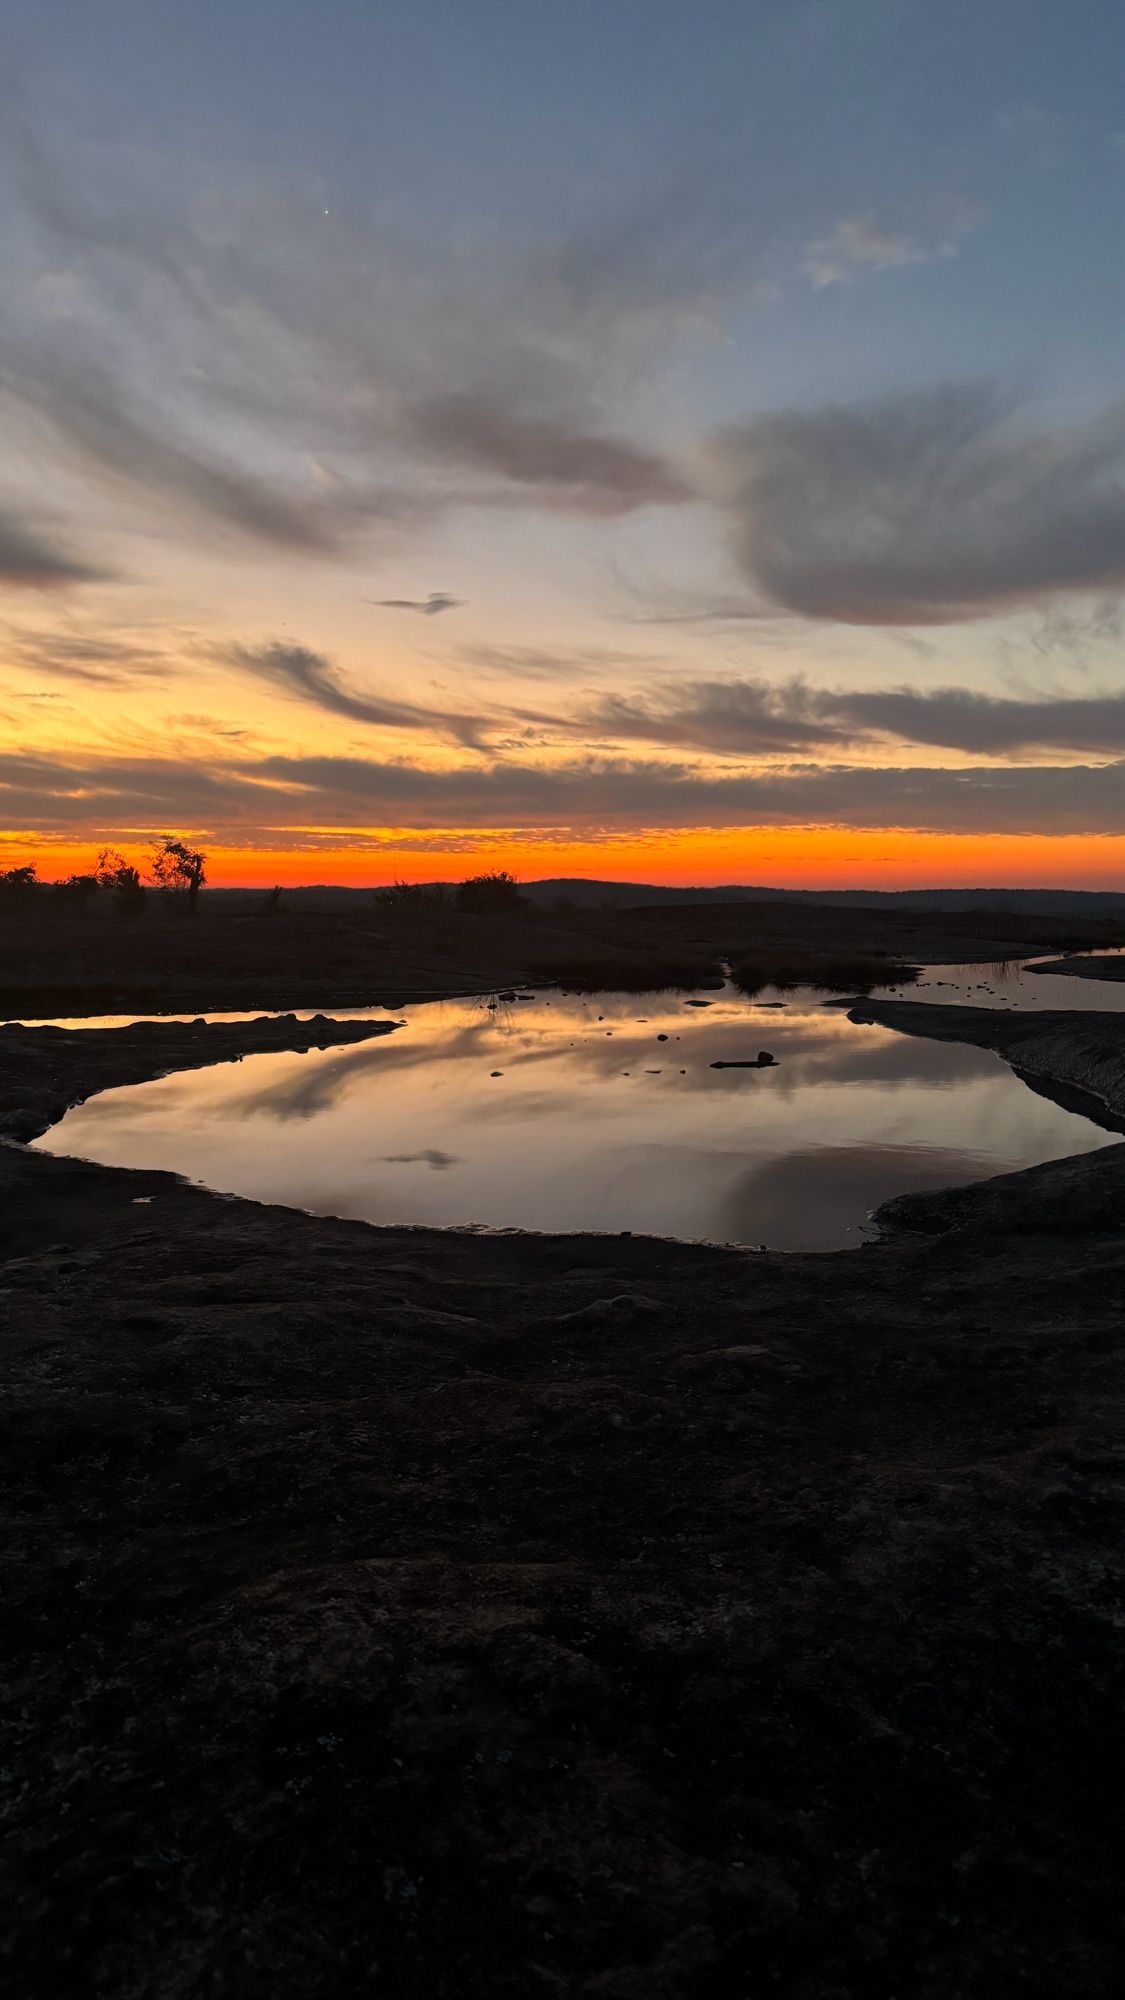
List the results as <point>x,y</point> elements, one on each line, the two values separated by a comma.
<point>280,793</point>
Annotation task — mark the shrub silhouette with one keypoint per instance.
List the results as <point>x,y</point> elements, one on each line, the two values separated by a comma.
<point>75,891</point>
<point>485,893</point>
<point>412,896</point>
<point>122,881</point>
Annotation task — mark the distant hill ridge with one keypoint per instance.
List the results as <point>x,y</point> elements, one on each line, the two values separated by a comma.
<point>583,893</point>
<point>1090,901</point>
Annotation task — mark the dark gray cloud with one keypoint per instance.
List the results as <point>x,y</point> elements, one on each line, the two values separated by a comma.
<point>581,469</point>
<point>297,670</point>
<point>622,793</point>
<point>39,791</point>
<point>743,717</point>
<point>427,607</point>
<point>991,725</point>
<point>925,509</point>
<point>756,717</point>
<point>430,1156</point>
<point>29,560</point>
<point>593,798</point>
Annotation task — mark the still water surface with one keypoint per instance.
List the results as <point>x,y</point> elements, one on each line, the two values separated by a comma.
<point>1013,984</point>
<point>594,1122</point>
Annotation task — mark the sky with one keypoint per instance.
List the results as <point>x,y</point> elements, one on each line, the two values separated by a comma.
<point>667,440</point>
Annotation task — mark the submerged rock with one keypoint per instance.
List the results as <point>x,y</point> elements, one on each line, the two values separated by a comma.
<point>763,1060</point>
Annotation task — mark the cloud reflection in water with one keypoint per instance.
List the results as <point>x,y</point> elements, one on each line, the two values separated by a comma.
<point>566,1113</point>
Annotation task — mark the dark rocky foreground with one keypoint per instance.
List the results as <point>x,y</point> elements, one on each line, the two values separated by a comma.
<point>414,1613</point>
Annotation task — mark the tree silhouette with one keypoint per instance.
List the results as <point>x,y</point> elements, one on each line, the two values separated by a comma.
<point>17,885</point>
<point>179,871</point>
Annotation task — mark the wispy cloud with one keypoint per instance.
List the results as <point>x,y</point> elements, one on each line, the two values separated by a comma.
<point>858,244</point>
<point>554,663</point>
<point>487,385</point>
<point>862,243</point>
<point>310,676</point>
<point>1035,126</point>
<point>687,608</point>
<point>74,656</point>
<point>95,422</point>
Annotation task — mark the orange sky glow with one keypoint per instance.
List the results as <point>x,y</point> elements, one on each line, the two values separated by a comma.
<point>798,857</point>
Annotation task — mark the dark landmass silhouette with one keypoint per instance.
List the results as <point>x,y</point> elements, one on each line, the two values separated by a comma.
<point>586,892</point>
<point>244,952</point>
